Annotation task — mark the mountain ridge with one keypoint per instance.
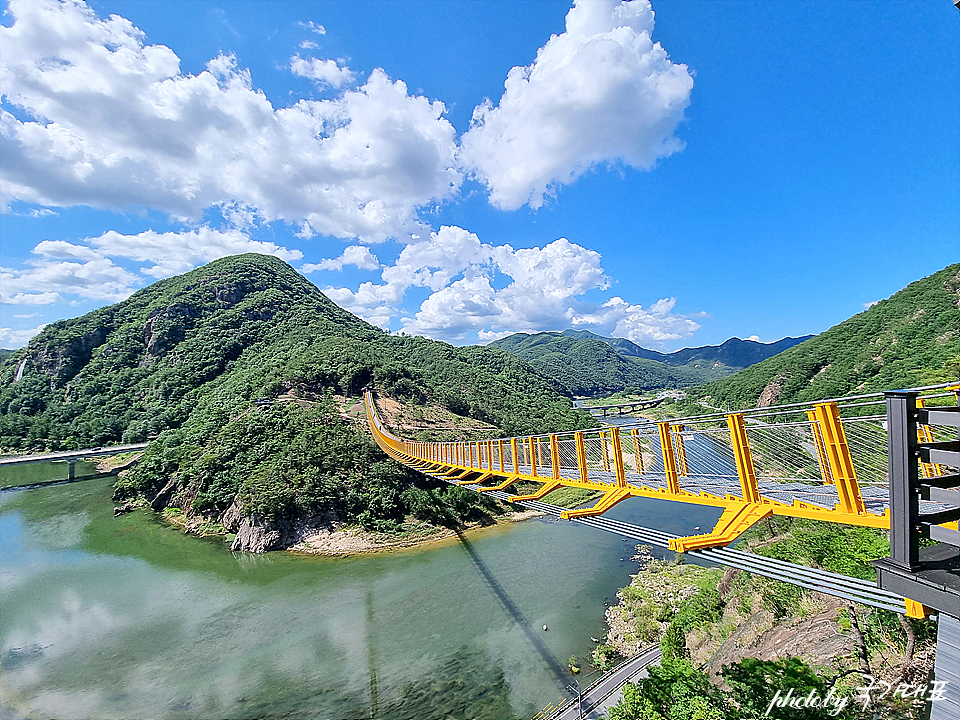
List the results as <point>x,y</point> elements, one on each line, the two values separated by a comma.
<point>589,364</point>
<point>911,338</point>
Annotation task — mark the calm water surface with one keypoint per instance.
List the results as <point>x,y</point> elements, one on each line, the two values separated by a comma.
<point>104,617</point>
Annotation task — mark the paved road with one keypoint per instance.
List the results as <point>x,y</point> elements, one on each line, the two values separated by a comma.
<point>605,693</point>
<point>72,454</point>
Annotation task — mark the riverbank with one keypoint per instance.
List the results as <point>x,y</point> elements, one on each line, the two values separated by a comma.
<point>341,539</point>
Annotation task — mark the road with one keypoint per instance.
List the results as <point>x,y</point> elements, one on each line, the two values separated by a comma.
<point>72,454</point>
<point>605,693</point>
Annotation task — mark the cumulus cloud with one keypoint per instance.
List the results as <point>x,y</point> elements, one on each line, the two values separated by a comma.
<point>654,325</point>
<point>170,253</point>
<point>356,255</point>
<point>87,271</point>
<point>105,120</point>
<point>11,339</point>
<point>600,92</point>
<point>495,290</point>
<point>330,73</point>
<point>62,268</point>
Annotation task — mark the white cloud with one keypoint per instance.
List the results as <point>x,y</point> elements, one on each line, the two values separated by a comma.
<point>601,92</point>
<point>309,45</point>
<point>645,326</point>
<point>324,72</point>
<point>62,268</point>
<point>495,290</point>
<point>488,336</point>
<point>313,27</point>
<point>113,123</point>
<point>754,338</point>
<point>86,271</point>
<point>171,253</point>
<point>357,255</point>
<point>11,339</point>
<point>868,305</point>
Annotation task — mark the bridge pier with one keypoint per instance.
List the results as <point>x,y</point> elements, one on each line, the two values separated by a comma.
<point>71,470</point>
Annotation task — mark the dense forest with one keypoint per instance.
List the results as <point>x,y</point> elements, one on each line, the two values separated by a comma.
<point>910,339</point>
<point>588,364</point>
<point>233,370</point>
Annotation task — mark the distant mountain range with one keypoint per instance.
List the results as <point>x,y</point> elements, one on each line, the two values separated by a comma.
<point>912,338</point>
<point>589,364</point>
<point>734,353</point>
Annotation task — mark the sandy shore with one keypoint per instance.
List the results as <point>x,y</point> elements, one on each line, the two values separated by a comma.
<point>355,541</point>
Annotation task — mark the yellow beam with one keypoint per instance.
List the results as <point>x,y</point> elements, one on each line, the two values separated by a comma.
<point>502,486</point>
<point>555,456</point>
<point>637,450</point>
<point>669,461</point>
<point>735,520</point>
<point>821,450</point>
<point>838,455</point>
<point>609,499</point>
<point>581,456</point>
<point>681,451</point>
<point>543,490</point>
<point>741,452</point>
<point>617,458</point>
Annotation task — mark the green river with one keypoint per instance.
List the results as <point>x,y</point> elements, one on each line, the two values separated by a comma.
<point>126,617</point>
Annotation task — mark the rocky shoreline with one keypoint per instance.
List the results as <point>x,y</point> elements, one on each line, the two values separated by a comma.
<point>323,536</point>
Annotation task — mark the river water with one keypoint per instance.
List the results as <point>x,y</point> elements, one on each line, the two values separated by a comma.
<point>126,617</point>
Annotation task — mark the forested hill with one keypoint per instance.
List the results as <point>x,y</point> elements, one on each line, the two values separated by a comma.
<point>239,370</point>
<point>133,369</point>
<point>910,339</point>
<point>589,364</point>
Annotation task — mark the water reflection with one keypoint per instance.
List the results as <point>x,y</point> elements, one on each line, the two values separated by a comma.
<point>135,620</point>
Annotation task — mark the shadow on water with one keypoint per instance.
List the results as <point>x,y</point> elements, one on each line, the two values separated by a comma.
<point>558,670</point>
<point>58,481</point>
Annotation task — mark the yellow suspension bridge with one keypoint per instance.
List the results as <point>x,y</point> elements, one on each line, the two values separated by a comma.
<point>823,461</point>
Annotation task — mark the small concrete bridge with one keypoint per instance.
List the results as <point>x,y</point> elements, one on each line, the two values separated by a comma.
<point>622,408</point>
<point>71,456</point>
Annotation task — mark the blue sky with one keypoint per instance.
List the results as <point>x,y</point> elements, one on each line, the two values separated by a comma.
<point>725,169</point>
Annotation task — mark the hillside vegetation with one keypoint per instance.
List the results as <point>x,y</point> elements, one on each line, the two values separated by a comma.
<point>910,339</point>
<point>588,364</point>
<point>233,368</point>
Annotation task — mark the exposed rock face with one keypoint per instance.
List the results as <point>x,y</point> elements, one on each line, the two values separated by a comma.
<point>258,535</point>
<point>816,639</point>
<point>771,393</point>
<point>165,328</point>
<point>63,362</point>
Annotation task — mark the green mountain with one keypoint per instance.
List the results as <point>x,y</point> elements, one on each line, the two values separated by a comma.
<point>588,364</point>
<point>734,353</point>
<point>236,366</point>
<point>910,339</point>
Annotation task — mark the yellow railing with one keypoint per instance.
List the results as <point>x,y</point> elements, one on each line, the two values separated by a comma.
<point>752,464</point>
